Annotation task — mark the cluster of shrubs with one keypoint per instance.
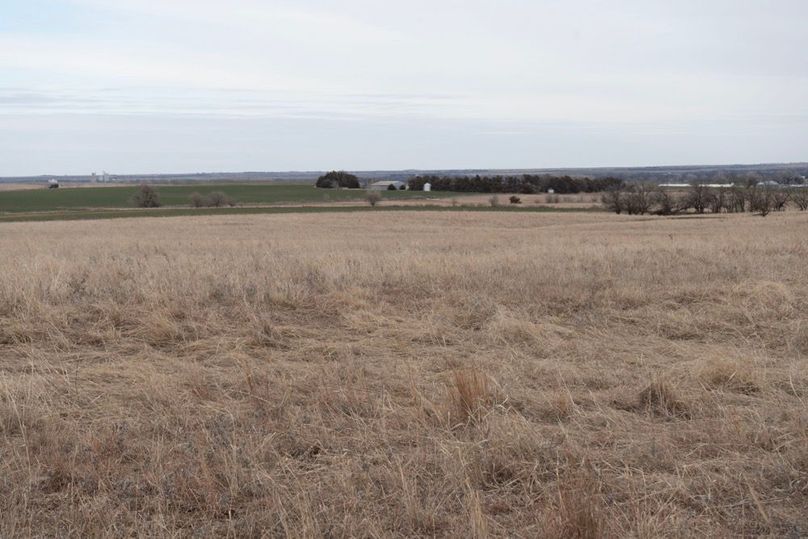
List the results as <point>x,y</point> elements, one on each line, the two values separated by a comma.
<point>644,198</point>
<point>336,179</point>
<point>216,199</point>
<point>525,184</point>
<point>494,201</point>
<point>148,197</point>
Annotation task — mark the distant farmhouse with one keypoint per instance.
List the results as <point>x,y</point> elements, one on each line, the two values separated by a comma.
<point>393,185</point>
<point>686,185</point>
<point>768,183</point>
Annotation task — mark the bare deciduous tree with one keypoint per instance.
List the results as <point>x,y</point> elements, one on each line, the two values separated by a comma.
<point>780,198</point>
<point>196,200</point>
<point>614,200</point>
<point>761,200</point>
<point>639,198</point>
<point>666,203</point>
<point>217,199</point>
<point>373,198</point>
<point>800,197</point>
<point>146,197</point>
<point>736,200</point>
<point>717,200</point>
<point>698,197</point>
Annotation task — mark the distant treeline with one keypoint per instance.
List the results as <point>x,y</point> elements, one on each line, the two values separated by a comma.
<point>762,198</point>
<point>525,183</point>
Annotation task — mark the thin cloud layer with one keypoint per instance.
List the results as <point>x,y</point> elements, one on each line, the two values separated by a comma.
<point>726,79</point>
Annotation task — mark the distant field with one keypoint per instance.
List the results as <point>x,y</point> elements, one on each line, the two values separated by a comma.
<point>19,186</point>
<point>114,201</point>
<point>70,198</point>
<point>83,215</point>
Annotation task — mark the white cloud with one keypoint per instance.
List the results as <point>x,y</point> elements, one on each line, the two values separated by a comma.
<point>135,64</point>
<point>621,64</point>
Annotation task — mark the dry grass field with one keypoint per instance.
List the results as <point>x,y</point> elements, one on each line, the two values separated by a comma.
<point>578,201</point>
<point>405,374</point>
<point>21,186</point>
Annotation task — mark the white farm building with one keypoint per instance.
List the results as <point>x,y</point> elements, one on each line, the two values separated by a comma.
<point>387,186</point>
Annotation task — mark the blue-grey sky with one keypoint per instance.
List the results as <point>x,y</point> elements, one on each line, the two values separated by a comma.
<point>205,85</point>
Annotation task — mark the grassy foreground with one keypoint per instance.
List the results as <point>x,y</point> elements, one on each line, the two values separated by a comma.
<point>457,374</point>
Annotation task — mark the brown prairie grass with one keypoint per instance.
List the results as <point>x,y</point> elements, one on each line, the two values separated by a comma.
<point>731,375</point>
<point>424,374</point>
<point>470,394</point>
<point>580,513</point>
<point>660,398</point>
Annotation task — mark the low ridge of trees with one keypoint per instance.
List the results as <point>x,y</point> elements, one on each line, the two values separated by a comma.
<point>524,184</point>
<point>647,198</point>
<point>336,179</point>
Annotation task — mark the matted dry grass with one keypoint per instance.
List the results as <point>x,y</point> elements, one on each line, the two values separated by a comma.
<point>427,374</point>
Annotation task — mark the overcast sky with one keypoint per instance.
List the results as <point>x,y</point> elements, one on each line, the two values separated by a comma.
<point>206,85</point>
